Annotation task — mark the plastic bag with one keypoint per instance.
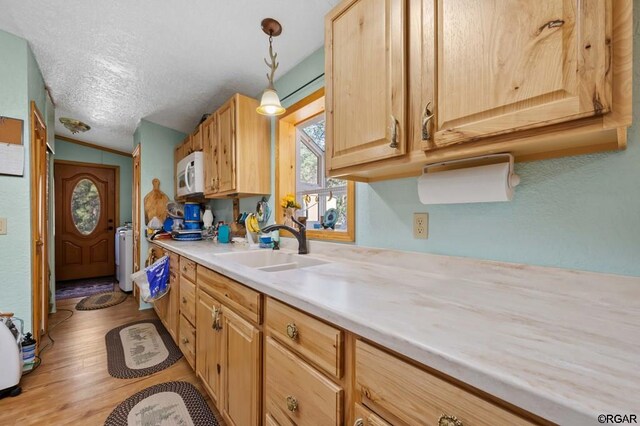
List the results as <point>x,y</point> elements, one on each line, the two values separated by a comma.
<point>153,281</point>
<point>158,277</point>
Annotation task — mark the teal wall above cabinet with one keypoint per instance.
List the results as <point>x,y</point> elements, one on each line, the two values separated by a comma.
<point>157,144</point>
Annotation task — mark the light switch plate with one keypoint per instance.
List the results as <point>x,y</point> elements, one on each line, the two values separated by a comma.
<point>3,226</point>
<point>421,225</point>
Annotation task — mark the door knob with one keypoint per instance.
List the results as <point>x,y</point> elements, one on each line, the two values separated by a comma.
<point>110,228</point>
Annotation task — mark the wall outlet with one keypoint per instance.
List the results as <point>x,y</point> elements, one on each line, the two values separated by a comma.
<point>3,226</point>
<point>421,225</point>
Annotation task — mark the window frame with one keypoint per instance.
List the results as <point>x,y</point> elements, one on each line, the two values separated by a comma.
<point>286,173</point>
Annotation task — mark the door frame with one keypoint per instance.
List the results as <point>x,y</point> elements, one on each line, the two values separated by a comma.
<point>136,195</point>
<point>39,309</point>
<point>116,171</point>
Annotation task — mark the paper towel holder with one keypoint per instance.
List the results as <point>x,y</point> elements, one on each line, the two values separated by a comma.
<point>514,179</point>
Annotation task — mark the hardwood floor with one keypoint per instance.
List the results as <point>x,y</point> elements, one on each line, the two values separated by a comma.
<point>72,385</point>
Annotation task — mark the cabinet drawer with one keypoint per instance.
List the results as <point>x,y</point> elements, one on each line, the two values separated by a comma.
<point>414,396</point>
<point>296,392</point>
<point>188,300</point>
<point>320,343</point>
<point>365,417</point>
<point>187,341</point>
<point>188,268</point>
<point>241,299</point>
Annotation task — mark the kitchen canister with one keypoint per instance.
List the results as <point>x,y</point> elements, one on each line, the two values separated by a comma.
<point>192,212</point>
<point>224,233</point>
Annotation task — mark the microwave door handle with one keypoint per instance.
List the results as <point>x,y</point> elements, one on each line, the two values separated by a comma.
<point>186,177</point>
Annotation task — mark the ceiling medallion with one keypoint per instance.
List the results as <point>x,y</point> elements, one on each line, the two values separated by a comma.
<point>75,126</point>
<point>270,102</point>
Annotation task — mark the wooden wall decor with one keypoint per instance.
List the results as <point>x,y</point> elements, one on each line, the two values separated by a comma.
<point>11,130</point>
<point>155,203</point>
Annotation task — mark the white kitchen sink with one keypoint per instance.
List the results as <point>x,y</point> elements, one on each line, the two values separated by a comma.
<point>272,260</point>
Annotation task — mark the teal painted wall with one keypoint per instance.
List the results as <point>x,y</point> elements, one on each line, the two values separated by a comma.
<point>157,144</point>
<point>20,82</point>
<point>580,212</point>
<point>73,152</point>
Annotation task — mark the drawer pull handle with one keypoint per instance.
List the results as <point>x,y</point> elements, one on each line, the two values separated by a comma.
<point>292,331</point>
<point>184,299</point>
<point>394,133</point>
<point>185,340</point>
<point>358,422</point>
<point>426,119</point>
<point>447,420</point>
<point>215,314</point>
<point>292,403</point>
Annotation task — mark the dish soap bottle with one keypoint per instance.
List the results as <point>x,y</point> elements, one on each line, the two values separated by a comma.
<point>207,218</point>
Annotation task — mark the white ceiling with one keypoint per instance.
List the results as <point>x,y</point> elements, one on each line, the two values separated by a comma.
<point>112,63</point>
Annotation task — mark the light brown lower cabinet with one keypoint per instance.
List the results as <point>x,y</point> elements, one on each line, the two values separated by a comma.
<point>187,341</point>
<point>296,393</point>
<point>241,370</point>
<point>209,344</point>
<point>167,308</point>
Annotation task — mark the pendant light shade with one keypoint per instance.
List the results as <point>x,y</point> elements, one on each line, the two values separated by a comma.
<point>270,102</point>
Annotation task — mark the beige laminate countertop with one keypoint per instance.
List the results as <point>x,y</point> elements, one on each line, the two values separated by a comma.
<point>564,345</point>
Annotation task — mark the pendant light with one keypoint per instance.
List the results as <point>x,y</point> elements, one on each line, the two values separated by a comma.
<point>270,102</point>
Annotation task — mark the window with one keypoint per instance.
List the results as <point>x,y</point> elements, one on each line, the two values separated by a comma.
<point>323,200</point>
<point>328,204</point>
<point>85,206</point>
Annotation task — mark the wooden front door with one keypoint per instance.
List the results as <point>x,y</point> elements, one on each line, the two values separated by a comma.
<point>85,220</point>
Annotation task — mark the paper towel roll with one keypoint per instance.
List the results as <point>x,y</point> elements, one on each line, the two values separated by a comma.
<point>469,185</point>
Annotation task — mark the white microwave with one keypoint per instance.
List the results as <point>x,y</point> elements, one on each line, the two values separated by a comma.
<point>190,174</point>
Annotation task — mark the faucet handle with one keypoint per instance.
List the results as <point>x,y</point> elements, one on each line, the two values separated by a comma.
<point>301,225</point>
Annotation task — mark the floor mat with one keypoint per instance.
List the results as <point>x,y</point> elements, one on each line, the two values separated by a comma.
<point>139,349</point>
<point>171,403</point>
<point>101,300</point>
<point>82,288</point>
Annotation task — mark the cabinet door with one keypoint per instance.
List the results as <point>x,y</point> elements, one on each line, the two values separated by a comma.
<point>209,344</point>
<point>173,304</point>
<point>241,370</point>
<point>196,139</point>
<point>226,147</point>
<point>505,66</point>
<point>365,68</point>
<point>211,155</point>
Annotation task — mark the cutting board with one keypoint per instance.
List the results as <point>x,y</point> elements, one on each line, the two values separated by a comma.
<point>155,203</point>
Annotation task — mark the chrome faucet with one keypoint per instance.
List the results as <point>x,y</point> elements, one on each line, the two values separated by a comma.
<point>300,234</point>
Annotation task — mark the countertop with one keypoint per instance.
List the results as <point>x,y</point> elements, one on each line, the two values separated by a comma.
<point>564,345</point>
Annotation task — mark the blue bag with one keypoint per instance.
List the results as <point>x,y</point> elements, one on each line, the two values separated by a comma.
<point>158,277</point>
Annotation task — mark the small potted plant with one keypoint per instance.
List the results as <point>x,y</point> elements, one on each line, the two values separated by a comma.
<point>290,205</point>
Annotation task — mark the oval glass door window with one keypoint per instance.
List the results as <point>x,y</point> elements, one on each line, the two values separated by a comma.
<point>85,206</point>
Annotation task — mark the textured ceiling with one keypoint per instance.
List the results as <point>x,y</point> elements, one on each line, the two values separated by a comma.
<point>112,63</point>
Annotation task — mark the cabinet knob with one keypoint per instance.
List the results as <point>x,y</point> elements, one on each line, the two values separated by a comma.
<point>292,331</point>
<point>358,422</point>
<point>292,403</point>
<point>185,340</point>
<point>426,120</point>
<point>394,133</point>
<point>447,420</point>
<point>184,299</point>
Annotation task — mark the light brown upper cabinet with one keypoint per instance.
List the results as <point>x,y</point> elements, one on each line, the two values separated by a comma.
<point>540,80</point>
<point>210,148</point>
<point>365,73</point>
<point>238,158</point>
<point>505,66</point>
<point>196,139</point>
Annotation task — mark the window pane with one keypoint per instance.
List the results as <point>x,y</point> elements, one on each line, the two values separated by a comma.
<point>85,206</point>
<point>316,132</point>
<point>308,166</point>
